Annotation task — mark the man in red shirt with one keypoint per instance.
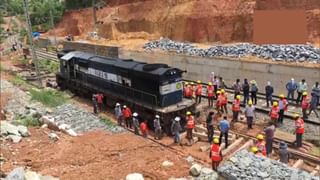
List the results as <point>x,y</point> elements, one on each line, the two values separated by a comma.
<point>305,105</point>
<point>144,129</point>
<point>210,94</point>
<point>100,97</point>
<point>190,126</point>
<point>236,108</point>
<point>215,154</point>
<point>299,129</point>
<point>127,114</point>
<point>198,92</point>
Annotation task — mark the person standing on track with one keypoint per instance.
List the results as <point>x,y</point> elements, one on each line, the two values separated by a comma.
<point>175,129</point>
<point>250,114</point>
<point>94,103</point>
<point>100,101</point>
<point>299,130</point>
<point>157,127</point>
<point>236,87</point>
<point>144,129</point>
<point>269,133</point>
<point>198,92</point>
<point>136,124</point>
<point>190,126</point>
<point>223,101</point>
<point>224,127</point>
<point>118,113</point>
<point>254,91</point>
<point>210,94</point>
<point>291,87</point>
<point>192,89</point>
<point>187,90</point>
<point>246,91</point>
<point>283,106</point>
<point>236,108</point>
<point>269,92</point>
<point>283,152</point>
<point>216,85</point>
<point>316,90</point>
<point>305,104</point>
<point>218,102</point>
<point>313,104</point>
<point>215,154</point>
<point>302,87</point>
<point>210,129</point>
<point>127,114</point>
<point>274,113</point>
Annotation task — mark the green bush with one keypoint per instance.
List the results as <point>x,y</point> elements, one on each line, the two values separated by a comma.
<point>18,80</point>
<point>108,122</point>
<point>48,65</point>
<point>28,121</point>
<point>48,97</point>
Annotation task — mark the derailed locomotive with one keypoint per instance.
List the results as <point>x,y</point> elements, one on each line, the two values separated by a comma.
<point>148,89</point>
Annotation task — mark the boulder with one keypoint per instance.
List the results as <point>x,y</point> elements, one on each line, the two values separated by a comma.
<point>23,131</point>
<point>190,159</point>
<point>167,164</point>
<point>47,178</point>
<point>7,128</point>
<point>195,170</point>
<point>53,136</point>
<point>14,138</point>
<point>134,176</point>
<point>31,175</point>
<point>204,148</point>
<point>16,174</point>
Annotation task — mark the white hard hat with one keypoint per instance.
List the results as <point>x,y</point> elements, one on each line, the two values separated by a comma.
<point>157,116</point>
<point>177,118</point>
<point>117,104</point>
<point>124,106</point>
<point>135,114</point>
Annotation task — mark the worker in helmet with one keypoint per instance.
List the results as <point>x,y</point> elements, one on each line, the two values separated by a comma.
<point>192,89</point>
<point>186,90</point>
<point>157,127</point>
<point>136,123</point>
<point>256,151</point>
<point>210,94</point>
<point>223,99</point>
<point>261,144</point>
<point>198,92</point>
<point>305,105</point>
<point>236,108</point>
<point>118,113</point>
<point>126,112</point>
<point>274,113</point>
<point>175,129</point>
<point>283,106</point>
<point>215,154</point>
<point>299,129</point>
<point>190,126</point>
<point>250,114</point>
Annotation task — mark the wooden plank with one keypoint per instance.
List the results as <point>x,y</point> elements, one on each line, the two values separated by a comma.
<point>232,146</point>
<point>284,136</point>
<point>298,164</point>
<point>316,170</point>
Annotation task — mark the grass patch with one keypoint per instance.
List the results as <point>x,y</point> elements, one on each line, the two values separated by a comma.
<point>18,80</point>
<point>48,97</point>
<point>50,66</point>
<point>28,121</point>
<point>108,122</point>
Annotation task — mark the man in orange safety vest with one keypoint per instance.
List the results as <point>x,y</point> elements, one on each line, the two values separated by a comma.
<point>198,92</point>
<point>236,108</point>
<point>299,129</point>
<point>274,113</point>
<point>215,154</point>
<point>190,126</point>
<point>210,94</point>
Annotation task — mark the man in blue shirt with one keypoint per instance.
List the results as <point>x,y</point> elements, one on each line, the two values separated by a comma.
<point>291,87</point>
<point>224,127</point>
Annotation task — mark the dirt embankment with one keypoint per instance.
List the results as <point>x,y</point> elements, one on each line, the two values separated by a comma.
<point>187,20</point>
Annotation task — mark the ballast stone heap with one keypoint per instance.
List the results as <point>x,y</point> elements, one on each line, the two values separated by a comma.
<point>289,53</point>
<point>246,165</point>
<point>81,121</point>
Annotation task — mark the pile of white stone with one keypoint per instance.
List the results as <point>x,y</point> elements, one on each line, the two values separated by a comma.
<point>290,53</point>
<point>13,132</point>
<point>245,165</point>
<point>20,173</point>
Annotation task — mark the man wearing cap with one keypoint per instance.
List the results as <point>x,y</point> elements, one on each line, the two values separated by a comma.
<point>283,106</point>
<point>210,94</point>
<point>157,127</point>
<point>255,150</point>
<point>198,92</point>
<point>283,152</point>
<point>261,144</point>
<point>215,154</point>
<point>224,127</point>
<point>136,123</point>
<point>305,105</point>
<point>299,129</point>
<point>236,108</point>
<point>269,92</point>
<point>127,115</point>
<point>269,133</point>
<point>118,113</point>
<point>190,126</point>
<point>291,87</point>
<point>250,114</point>
<point>175,129</point>
<point>274,113</point>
